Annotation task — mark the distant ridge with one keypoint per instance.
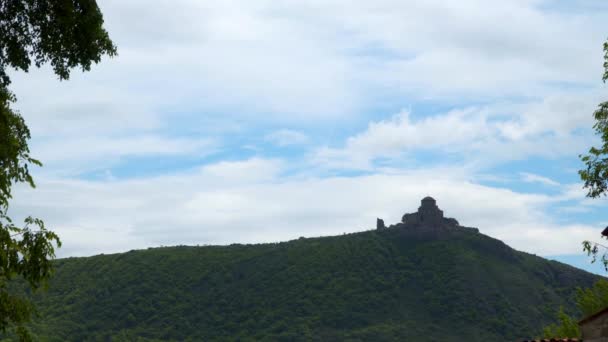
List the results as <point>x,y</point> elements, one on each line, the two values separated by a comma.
<point>418,281</point>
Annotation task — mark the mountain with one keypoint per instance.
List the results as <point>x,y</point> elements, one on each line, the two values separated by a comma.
<point>410,282</point>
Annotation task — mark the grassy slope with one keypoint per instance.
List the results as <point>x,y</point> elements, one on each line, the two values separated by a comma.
<point>371,285</point>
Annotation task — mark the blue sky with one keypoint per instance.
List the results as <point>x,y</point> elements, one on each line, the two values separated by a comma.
<point>241,121</point>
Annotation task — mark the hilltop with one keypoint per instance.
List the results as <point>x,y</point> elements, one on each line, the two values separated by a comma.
<point>428,281</point>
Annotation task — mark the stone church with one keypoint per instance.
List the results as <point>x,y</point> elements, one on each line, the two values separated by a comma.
<point>428,216</point>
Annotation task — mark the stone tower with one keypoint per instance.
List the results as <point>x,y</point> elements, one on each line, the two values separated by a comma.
<point>428,214</point>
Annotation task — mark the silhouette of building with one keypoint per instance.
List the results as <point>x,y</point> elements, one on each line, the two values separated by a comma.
<point>428,218</point>
<point>428,214</point>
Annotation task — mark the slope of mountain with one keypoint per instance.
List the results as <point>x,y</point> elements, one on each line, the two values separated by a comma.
<point>382,285</point>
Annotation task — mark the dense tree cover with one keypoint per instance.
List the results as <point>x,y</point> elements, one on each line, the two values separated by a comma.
<point>567,327</point>
<point>378,285</point>
<point>588,302</point>
<point>65,34</point>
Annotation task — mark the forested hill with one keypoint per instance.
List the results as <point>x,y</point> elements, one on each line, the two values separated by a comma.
<point>383,285</point>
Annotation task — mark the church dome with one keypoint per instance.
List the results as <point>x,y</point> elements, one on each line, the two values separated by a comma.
<point>428,199</point>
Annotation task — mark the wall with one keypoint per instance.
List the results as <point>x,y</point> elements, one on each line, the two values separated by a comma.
<point>596,330</point>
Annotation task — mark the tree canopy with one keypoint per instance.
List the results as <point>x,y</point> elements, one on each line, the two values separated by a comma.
<point>65,34</point>
<point>393,284</point>
<point>588,302</point>
<point>595,175</point>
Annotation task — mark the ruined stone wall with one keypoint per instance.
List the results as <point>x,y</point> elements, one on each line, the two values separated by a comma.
<point>410,218</point>
<point>596,330</point>
<point>430,215</point>
<point>380,224</point>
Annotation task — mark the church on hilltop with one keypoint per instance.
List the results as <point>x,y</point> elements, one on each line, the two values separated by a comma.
<point>428,216</point>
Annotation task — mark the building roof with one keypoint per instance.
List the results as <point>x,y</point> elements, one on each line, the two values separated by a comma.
<point>428,198</point>
<point>556,340</point>
<point>593,316</point>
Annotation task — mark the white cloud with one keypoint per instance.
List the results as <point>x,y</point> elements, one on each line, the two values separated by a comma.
<point>247,201</point>
<point>230,173</point>
<point>72,156</point>
<point>319,60</point>
<point>286,137</point>
<point>400,135</point>
<point>83,149</point>
<point>202,75</point>
<point>534,178</point>
<point>483,135</point>
<point>190,73</point>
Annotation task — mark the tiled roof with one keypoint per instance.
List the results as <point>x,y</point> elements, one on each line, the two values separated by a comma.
<point>556,340</point>
<point>595,315</point>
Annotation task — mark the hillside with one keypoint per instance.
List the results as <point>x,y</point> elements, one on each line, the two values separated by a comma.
<point>380,285</point>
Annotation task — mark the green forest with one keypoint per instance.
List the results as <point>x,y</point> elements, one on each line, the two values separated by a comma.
<point>383,285</point>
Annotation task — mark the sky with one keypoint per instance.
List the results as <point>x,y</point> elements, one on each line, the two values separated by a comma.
<point>260,121</point>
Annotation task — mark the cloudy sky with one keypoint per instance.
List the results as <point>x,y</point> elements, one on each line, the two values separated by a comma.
<point>260,121</point>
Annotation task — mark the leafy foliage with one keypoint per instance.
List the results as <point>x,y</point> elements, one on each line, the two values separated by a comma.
<point>595,175</point>
<point>594,299</point>
<point>567,327</point>
<point>592,249</point>
<point>26,251</point>
<point>588,302</point>
<point>384,285</point>
<point>65,34</point>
